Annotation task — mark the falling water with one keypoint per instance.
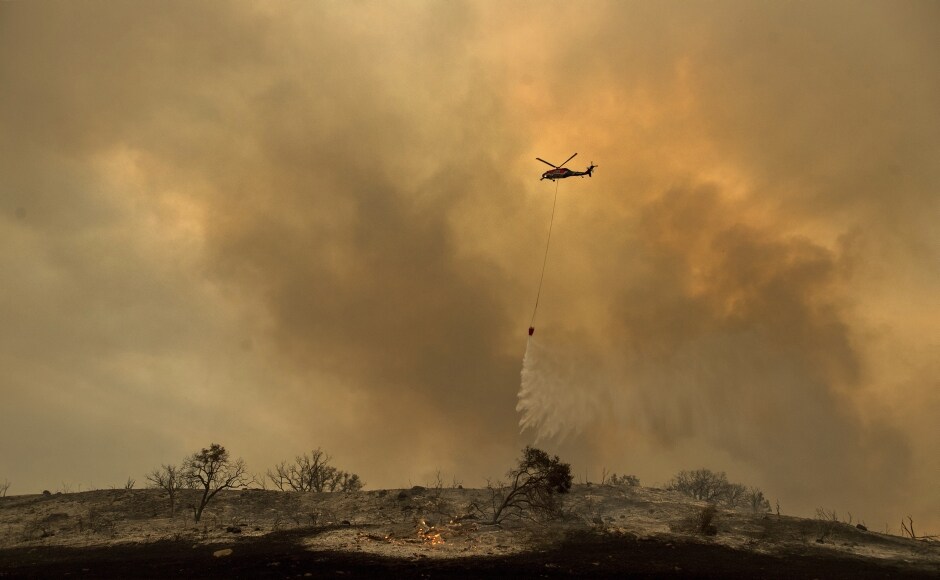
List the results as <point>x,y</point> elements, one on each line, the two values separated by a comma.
<point>557,398</point>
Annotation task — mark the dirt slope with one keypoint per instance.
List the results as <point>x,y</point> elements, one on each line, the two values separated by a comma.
<point>603,530</point>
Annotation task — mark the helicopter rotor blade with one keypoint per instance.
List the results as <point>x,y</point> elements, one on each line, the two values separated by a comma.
<point>567,160</point>
<point>547,163</point>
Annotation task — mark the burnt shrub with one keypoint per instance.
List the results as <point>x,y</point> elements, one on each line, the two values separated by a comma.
<point>714,487</point>
<point>532,488</point>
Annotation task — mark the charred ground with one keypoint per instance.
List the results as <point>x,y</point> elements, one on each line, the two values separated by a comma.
<point>421,532</point>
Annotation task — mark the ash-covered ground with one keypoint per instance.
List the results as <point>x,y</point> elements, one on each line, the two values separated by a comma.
<point>600,531</point>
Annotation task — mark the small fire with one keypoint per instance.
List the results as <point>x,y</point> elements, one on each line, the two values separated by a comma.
<point>433,539</point>
<point>429,534</point>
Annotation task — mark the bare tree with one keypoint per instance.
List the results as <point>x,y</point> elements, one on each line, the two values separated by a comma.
<point>4,487</point>
<point>829,520</point>
<point>306,473</point>
<point>755,500</point>
<point>532,488</point>
<point>908,530</point>
<point>827,515</point>
<point>170,479</point>
<point>735,495</point>
<point>313,472</point>
<point>260,480</point>
<point>712,487</point>
<point>211,470</point>
<point>701,484</point>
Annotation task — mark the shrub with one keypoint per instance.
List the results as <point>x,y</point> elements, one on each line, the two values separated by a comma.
<point>623,480</point>
<point>706,518</point>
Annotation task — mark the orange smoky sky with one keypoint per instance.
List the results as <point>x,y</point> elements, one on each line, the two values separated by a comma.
<point>289,225</point>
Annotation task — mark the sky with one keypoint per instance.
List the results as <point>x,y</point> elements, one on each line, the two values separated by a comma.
<point>291,225</point>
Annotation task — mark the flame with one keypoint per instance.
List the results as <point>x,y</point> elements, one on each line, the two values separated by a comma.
<point>433,539</point>
<point>429,534</point>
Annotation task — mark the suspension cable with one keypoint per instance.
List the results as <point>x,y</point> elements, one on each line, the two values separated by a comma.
<point>544,261</point>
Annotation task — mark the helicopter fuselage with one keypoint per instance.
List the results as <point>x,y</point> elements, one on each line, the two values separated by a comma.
<point>560,172</point>
<point>563,172</point>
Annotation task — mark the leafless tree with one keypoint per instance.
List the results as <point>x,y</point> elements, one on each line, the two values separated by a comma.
<point>211,470</point>
<point>170,479</point>
<point>531,489</point>
<point>260,480</point>
<point>735,495</point>
<point>829,520</point>
<point>4,487</point>
<point>701,484</point>
<point>714,487</point>
<point>755,500</point>
<point>313,472</point>
<point>908,530</point>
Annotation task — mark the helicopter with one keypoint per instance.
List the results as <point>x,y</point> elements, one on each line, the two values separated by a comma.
<point>560,172</point>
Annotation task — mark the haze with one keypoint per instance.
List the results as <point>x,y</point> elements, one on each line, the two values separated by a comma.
<point>282,226</point>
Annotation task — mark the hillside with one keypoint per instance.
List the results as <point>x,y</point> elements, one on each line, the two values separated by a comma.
<point>604,530</point>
